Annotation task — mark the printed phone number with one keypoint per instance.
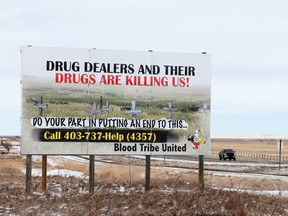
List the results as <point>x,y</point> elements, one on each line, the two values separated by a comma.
<point>98,136</point>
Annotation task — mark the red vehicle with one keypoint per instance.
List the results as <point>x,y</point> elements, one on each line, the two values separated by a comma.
<point>227,154</point>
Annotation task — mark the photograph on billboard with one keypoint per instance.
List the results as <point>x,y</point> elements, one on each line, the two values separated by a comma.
<point>90,101</point>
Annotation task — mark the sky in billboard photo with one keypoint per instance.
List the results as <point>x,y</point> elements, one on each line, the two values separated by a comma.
<point>247,41</point>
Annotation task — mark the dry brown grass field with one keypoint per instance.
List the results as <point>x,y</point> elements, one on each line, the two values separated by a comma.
<point>119,190</point>
<point>253,147</point>
<point>257,149</point>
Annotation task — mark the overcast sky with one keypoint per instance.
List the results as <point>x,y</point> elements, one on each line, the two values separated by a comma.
<point>248,41</point>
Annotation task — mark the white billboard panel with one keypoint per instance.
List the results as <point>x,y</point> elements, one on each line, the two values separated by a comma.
<point>89,101</point>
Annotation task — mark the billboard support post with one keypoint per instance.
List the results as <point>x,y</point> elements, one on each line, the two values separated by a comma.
<point>201,172</point>
<point>39,104</point>
<point>28,173</point>
<point>93,112</point>
<point>91,173</point>
<point>44,172</point>
<point>147,172</point>
<point>201,157</point>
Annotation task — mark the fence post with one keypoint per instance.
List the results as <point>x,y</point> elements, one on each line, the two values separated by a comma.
<point>280,149</point>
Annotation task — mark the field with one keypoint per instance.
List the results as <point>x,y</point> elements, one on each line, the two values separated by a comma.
<point>119,187</point>
<point>254,147</point>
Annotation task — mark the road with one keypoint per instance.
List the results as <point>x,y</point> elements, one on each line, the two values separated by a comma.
<point>216,159</point>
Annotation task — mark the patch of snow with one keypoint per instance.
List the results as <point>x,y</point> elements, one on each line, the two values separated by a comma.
<point>122,189</point>
<point>36,157</point>
<point>257,192</point>
<point>60,172</point>
<point>6,208</point>
<point>51,162</point>
<point>84,159</point>
<point>63,206</point>
<point>248,175</point>
<point>220,163</point>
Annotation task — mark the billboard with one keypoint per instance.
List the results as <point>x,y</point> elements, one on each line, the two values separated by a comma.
<point>90,101</point>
